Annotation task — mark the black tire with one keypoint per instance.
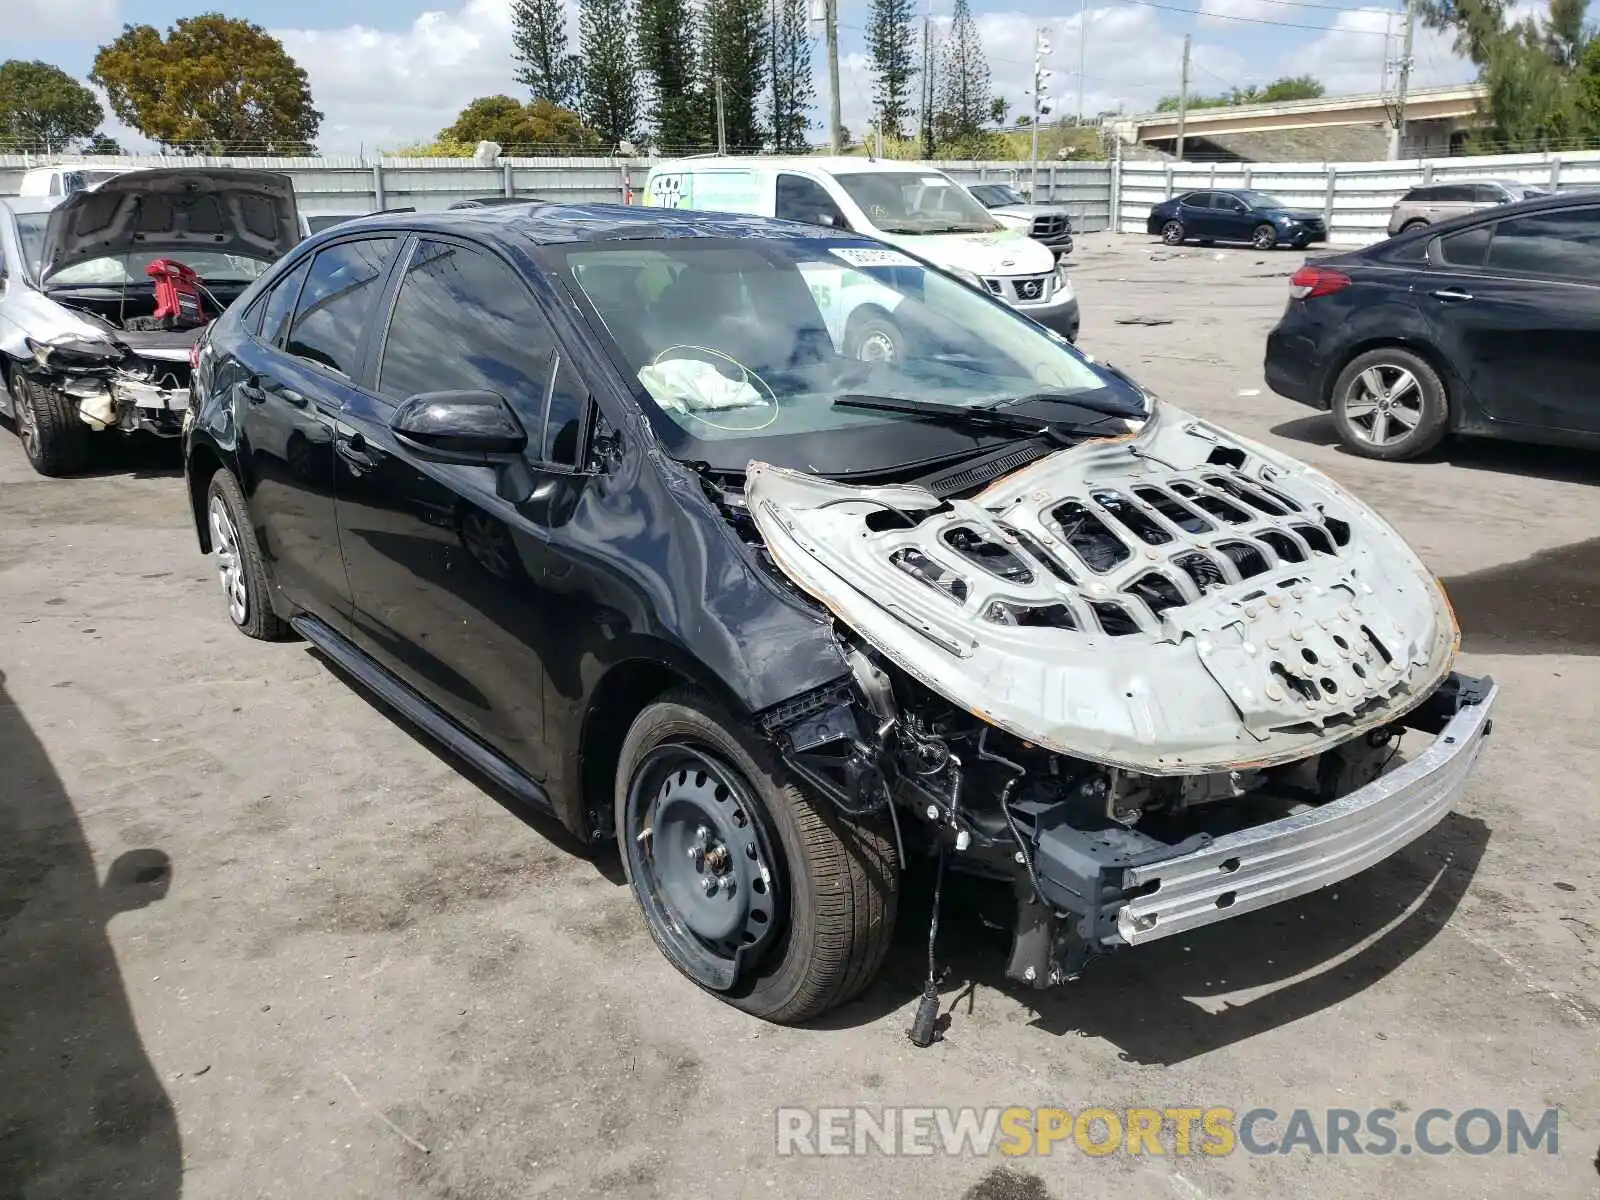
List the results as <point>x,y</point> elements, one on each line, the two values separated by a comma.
<point>874,337</point>
<point>257,620</point>
<point>1301,241</point>
<point>839,878</point>
<point>1352,396</point>
<point>1173,233</point>
<point>1419,223</point>
<point>54,437</point>
<point>1264,237</point>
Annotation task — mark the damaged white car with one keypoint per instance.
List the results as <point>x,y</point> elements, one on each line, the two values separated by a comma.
<point>104,295</point>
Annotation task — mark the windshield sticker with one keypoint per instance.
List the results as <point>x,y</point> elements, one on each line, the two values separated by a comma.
<point>865,256</point>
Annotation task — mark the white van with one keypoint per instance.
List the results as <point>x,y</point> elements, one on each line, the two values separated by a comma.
<point>912,207</point>
<point>67,179</point>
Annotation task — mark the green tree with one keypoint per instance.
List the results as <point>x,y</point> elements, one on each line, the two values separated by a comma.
<point>539,45</point>
<point>964,101</point>
<point>734,47</point>
<point>211,85</point>
<point>891,42</point>
<point>1538,73</point>
<point>667,59</point>
<point>610,75</point>
<point>792,88</point>
<point>1290,87</point>
<point>103,143</point>
<point>538,127</point>
<point>44,108</point>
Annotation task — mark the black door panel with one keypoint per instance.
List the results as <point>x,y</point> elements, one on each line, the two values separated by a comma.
<point>1517,305</point>
<point>446,568</point>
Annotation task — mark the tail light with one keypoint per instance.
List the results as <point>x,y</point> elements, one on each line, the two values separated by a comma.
<point>1309,282</point>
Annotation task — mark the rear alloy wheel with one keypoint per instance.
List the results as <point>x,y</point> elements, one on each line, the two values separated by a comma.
<point>1265,237</point>
<point>1410,225</point>
<point>776,903</point>
<point>1172,233</point>
<point>1390,404</point>
<point>240,570</point>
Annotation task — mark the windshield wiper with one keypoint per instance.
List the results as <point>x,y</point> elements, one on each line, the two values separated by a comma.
<point>1086,400</point>
<point>1061,432</point>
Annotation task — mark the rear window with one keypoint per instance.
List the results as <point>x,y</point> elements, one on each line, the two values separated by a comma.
<point>1564,243</point>
<point>1467,248</point>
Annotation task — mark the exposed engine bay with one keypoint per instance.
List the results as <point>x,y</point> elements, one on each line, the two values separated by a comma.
<point>1154,681</point>
<point>135,374</point>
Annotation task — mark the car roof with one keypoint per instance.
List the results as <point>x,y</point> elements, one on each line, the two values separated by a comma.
<point>560,224</point>
<point>31,204</point>
<point>840,164</point>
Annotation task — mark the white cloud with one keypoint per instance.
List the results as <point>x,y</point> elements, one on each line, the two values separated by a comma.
<point>383,88</point>
<point>1349,58</point>
<point>1215,13</point>
<point>58,18</point>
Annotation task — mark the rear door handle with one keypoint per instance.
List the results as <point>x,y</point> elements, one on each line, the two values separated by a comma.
<point>1451,294</point>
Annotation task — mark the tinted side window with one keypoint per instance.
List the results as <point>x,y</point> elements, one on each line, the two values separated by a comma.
<point>802,199</point>
<point>1467,248</point>
<point>1198,200</point>
<point>1229,203</point>
<point>1460,193</point>
<point>279,306</point>
<point>1564,243</point>
<point>1420,195</point>
<point>1487,193</point>
<point>337,301</point>
<point>464,320</point>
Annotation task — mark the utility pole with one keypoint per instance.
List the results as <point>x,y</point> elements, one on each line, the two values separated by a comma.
<point>1083,47</point>
<point>1398,136</point>
<point>1183,95</point>
<point>1041,51</point>
<point>830,19</point>
<point>926,131</point>
<point>722,124</point>
<point>779,124</point>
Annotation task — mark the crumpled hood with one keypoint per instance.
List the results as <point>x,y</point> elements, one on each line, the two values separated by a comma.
<point>1178,601</point>
<point>1004,252</point>
<point>223,210</point>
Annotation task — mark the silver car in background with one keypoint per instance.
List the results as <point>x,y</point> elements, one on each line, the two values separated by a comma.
<point>1435,202</point>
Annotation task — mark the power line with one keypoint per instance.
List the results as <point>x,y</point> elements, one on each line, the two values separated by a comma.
<point>1191,12</point>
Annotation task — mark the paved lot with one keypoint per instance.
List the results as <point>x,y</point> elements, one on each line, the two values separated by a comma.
<point>256,940</point>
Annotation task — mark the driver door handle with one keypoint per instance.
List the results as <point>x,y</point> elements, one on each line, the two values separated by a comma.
<point>252,390</point>
<point>351,446</point>
<point>1451,294</point>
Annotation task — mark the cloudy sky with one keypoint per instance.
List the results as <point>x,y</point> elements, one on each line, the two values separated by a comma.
<point>387,73</point>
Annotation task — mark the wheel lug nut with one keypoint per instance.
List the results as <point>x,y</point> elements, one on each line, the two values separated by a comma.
<point>710,885</point>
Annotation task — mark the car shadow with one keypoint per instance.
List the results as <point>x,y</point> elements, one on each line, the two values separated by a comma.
<point>1564,464</point>
<point>82,1111</point>
<point>604,858</point>
<point>1547,603</point>
<point>137,455</point>
<point>1185,996</point>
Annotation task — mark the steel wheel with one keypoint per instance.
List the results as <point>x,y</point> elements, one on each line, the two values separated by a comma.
<point>877,346</point>
<point>230,564</point>
<point>1172,233</point>
<point>702,860</point>
<point>1384,404</point>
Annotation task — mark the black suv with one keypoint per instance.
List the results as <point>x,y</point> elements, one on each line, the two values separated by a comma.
<point>559,485</point>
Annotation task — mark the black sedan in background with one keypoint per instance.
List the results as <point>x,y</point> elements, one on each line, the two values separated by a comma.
<point>1234,216</point>
<point>1486,324</point>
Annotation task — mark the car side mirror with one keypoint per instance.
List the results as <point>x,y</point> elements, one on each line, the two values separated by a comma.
<point>465,427</point>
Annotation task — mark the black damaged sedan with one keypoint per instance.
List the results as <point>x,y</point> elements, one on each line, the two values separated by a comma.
<point>601,500</point>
